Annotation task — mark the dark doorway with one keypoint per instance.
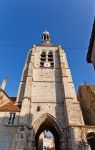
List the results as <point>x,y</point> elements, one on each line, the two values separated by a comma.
<point>52,129</point>
<point>91,140</point>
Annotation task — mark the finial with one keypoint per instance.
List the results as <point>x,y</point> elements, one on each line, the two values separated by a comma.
<point>3,85</point>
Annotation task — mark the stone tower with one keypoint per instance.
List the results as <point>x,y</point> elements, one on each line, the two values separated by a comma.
<point>48,100</point>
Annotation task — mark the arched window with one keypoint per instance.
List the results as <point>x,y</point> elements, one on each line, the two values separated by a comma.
<point>50,58</point>
<point>42,59</point>
<point>43,54</point>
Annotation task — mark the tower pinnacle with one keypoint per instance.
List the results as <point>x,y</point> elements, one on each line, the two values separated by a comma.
<point>46,38</point>
<point>3,85</point>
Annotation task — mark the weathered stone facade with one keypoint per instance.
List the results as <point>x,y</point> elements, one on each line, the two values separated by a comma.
<point>47,100</point>
<point>48,96</point>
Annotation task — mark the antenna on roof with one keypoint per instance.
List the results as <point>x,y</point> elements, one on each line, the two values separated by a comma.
<point>3,84</point>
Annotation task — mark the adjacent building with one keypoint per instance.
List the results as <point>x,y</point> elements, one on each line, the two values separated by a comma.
<point>86,98</point>
<point>91,49</point>
<point>46,142</point>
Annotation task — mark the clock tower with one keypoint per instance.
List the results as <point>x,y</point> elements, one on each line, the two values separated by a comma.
<point>48,100</point>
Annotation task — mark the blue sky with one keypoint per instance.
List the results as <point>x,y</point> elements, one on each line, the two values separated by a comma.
<point>22,23</point>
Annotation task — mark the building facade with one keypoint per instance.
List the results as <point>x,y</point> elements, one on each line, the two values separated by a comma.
<point>48,143</point>
<point>46,100</point>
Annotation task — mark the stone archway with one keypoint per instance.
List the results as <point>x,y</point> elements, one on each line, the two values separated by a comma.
<point>47,122</point>
<point>91,140</point>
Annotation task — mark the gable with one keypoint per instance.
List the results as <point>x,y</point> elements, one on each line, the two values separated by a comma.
<point>4,98</point>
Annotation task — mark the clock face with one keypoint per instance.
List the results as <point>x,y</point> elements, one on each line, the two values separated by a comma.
<point>46,64</point>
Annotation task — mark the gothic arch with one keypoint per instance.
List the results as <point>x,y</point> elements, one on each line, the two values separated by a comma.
<point>48,122</point>
<point>47,118</point>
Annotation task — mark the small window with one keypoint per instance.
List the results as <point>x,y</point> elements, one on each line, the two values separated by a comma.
<point>38,108</point>
<point>52,64</point>
<point>11,118</point>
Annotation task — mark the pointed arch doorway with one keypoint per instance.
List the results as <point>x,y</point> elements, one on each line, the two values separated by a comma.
<point>48,123</point>
<point>91,140</point>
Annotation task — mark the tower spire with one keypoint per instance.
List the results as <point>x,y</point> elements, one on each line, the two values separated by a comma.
<point>3,85</point>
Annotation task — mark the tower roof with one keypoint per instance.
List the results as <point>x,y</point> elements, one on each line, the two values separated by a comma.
<point>46,40</point>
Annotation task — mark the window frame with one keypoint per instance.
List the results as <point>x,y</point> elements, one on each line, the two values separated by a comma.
<point>11,118</point>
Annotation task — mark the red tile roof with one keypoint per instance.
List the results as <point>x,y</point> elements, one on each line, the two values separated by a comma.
<point>10,106</point>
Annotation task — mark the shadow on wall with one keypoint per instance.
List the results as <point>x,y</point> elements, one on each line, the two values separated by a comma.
<point>23,79</point>
<point>62,117</point>
<point>15,135</point>
<point>27,136</point>
<point>59,109</point>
